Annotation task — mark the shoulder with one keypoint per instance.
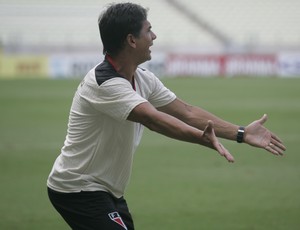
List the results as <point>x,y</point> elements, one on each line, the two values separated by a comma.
<point>146,75</point>
<point>144,71</point>
<point>105,71</point>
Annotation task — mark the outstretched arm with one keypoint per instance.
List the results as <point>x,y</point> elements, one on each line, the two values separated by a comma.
<point>255,133</point>
<point>170,126</point>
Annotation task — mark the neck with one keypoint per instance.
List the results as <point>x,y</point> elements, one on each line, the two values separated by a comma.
<point>123,65</point>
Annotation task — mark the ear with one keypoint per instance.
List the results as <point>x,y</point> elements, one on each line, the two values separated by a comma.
<point>131,41</point>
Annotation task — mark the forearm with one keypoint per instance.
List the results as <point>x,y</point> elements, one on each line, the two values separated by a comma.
<point>166,124</point>
<point>198,118</point>
<point>174,128</point>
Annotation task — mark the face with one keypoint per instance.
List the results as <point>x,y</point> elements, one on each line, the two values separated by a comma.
<point>144,41</point>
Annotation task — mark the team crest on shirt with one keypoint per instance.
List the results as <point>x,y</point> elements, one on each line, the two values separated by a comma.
<point>114,216</point>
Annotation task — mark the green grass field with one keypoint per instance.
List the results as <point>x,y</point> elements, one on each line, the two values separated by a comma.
<point>174,185</point>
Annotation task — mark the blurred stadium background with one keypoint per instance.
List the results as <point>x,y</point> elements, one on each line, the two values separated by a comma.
<point>174,185</point>
<point>60,39</point>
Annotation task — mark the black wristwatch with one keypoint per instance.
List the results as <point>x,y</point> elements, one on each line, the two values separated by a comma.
<point>240,134</point>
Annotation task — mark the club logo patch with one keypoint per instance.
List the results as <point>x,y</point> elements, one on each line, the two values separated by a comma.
<point>114,216</point>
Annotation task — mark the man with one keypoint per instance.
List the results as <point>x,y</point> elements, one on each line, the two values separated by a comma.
<point>113,103</point>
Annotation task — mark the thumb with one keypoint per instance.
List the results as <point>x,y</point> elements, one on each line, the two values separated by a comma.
<point>263,119</point>
<point>209,127</point>
<point>210,123</point>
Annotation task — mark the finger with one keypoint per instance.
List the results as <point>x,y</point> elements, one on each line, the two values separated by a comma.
<point>218,146</point>
<point>263,119</point>
<point>210,123</point>
<point>277,142</point>
<point>271,149</point>
<point>225,153</point>
<point>209,127</point>
<point>274,149</point>
<point>279,148</point>
<point>229,157</point>
<point>276,138</point>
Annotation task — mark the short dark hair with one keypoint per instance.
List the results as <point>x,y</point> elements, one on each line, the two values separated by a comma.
<point>116,22</point>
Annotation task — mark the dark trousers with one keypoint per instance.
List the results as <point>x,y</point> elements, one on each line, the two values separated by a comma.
<point>92,210</point>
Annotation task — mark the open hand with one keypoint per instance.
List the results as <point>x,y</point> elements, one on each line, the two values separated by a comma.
<point>209,134</point>
<point>259,136</point>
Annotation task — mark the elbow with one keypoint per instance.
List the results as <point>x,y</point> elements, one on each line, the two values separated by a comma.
<point>149,122</point>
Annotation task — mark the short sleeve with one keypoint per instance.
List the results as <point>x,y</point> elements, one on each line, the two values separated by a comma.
<point>160,95</point>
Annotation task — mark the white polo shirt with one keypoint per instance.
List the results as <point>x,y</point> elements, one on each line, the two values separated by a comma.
<point>98,150</point>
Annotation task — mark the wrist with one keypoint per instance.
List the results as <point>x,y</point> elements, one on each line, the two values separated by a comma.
<point>240,134</point>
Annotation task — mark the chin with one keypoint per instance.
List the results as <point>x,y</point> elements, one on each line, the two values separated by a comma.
<point>147,58</point>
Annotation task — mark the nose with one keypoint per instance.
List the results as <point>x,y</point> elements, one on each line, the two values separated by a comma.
<point>154,36</point>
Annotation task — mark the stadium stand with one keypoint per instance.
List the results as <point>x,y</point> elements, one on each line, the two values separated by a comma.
<point>268,22</point>
<point>74,23</point>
